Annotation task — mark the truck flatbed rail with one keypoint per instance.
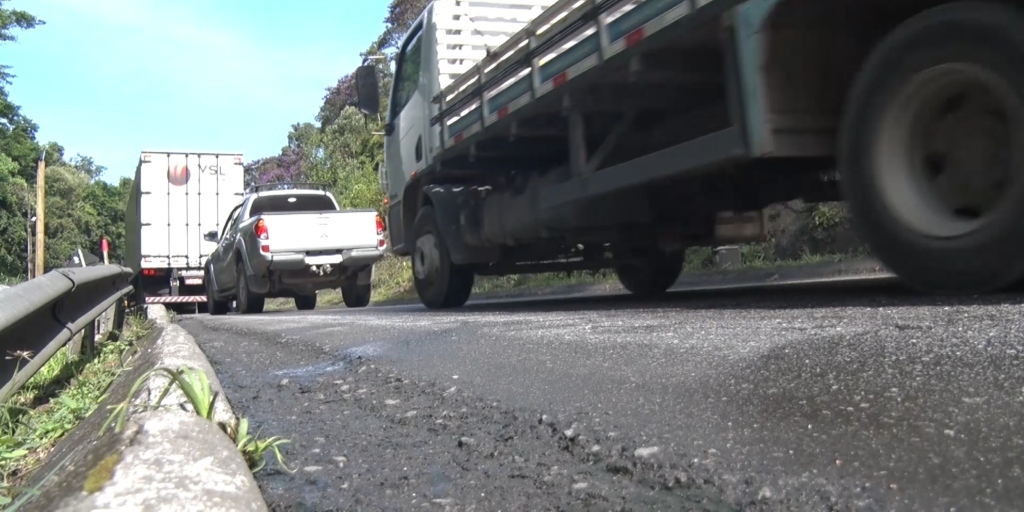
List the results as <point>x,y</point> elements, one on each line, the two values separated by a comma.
<point>532,63</point>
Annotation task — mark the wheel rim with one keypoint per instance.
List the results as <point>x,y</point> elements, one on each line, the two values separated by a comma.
<point>426,261</point>
<point>948,150</point>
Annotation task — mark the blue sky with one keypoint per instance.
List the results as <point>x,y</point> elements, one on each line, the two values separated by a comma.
<point>110,78</point>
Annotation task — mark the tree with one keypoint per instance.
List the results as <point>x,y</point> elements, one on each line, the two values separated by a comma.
<point>87,166</point>
<point>11,19</point>
<point>14,204</point>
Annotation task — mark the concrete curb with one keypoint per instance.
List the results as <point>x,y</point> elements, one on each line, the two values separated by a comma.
<point>866,267</point>
<point>167,459</point>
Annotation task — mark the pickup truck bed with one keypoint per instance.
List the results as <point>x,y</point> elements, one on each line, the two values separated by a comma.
<point>292,243</point>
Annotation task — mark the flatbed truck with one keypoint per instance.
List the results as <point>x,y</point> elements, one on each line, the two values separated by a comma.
<point>537,135</point>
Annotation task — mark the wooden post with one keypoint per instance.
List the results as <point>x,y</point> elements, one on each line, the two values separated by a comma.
<point>40,212</point>
<point>29,261</point>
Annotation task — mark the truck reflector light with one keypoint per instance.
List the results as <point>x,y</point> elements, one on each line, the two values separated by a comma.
<point>261,230</point>
<point>265,248</point>
<point>380,226</point>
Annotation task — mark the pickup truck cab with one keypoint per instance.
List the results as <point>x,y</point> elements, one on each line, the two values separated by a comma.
<point>292,242</point>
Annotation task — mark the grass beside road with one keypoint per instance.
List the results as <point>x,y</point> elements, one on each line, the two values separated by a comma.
<point>63,393</point>
<point>393,275</point>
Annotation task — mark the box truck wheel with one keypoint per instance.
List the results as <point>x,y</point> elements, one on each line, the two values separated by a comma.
<point>305,302</point>
<point>651,274</point>
<point>931,155</point>
<point>214,306</point>
<point>439,282</point>
<point>248,302</point>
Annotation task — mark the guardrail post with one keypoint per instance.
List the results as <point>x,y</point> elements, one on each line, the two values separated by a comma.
<point>117,321</point>
<point>89,339</point>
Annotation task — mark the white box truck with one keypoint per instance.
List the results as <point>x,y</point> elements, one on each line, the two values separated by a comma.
<point>176,197</point>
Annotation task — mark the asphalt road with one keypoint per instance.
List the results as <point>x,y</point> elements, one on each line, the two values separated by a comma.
<point>849,399</point>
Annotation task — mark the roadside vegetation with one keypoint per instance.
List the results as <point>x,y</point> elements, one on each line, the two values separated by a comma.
<point>195,386</point>
<point>65,391</point>
<point>81,208</point>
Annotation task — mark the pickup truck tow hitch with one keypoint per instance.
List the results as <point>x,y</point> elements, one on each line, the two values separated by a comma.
<point>321,271</point>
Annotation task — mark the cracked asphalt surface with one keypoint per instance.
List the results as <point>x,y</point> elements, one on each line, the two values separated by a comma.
<point>848,399</point>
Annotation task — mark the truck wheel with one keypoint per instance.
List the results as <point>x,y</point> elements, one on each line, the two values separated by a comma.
<point>305,302</point>
<point>247,301</point>
<point>439,282</point>
<point>652,274</point>
<point>355,295</point>
<point>214,306</point>
<point>930,154</point>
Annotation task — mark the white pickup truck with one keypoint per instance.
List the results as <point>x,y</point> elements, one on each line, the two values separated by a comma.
<point>291,242</point>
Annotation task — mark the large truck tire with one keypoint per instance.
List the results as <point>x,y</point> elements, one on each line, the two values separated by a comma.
<point>247,301</point>
<point>652,274</point>
<point>931,152</point>
<point>439,282</point>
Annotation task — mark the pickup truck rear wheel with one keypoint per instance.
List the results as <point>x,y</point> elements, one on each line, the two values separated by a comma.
<point>439,282</point>
<point>651,274</point>
<point>247,301</point>
<point>305,302</point>
<point>931,154</point>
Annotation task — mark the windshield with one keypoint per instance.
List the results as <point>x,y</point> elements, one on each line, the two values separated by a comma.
<point>291,204</point>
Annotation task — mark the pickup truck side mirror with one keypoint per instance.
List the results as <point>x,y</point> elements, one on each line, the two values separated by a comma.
<point>367,90</point>
<point>210,236</point>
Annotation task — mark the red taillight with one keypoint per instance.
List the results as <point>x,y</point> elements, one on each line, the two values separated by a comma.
<point>381,242</point>
<point>261,230</point>
<point>148,272</point>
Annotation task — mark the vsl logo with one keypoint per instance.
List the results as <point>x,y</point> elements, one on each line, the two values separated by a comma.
<point>178,175</point>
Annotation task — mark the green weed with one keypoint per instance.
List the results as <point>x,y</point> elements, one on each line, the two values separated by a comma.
<point>196,387</point>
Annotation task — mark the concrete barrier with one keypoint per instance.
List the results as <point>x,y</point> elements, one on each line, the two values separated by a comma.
<point>169,459</point>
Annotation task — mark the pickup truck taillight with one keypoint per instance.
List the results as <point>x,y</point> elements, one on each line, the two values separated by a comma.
<point>381,242</point>
<point>261,230</point>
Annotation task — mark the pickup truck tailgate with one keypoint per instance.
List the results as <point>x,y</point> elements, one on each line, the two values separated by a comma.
<point>302,232</point>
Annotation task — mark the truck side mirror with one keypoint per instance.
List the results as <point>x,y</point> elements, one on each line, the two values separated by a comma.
<point>210,236</point>
<point>367,90</point>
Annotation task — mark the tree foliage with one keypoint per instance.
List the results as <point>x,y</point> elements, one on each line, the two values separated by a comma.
<point>80,209</point>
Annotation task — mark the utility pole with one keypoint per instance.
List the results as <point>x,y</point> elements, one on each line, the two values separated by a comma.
<point>29,261</point>
<point>40,212</point>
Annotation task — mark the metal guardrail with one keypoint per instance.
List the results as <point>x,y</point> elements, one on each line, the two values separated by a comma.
<point>40,316</point>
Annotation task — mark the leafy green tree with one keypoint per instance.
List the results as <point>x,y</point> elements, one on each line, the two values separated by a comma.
<point>14,207</point>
